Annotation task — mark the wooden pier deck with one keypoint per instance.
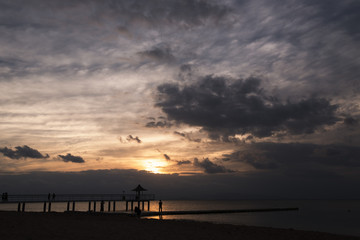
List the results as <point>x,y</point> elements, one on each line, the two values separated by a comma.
<point>72,199</point>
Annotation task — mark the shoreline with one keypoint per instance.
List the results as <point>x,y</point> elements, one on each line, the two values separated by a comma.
<point>83,225</point>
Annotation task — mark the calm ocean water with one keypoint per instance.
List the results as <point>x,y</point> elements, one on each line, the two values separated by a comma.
<point>334,216</point>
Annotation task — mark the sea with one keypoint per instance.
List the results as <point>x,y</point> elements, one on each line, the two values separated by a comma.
<point>332,216</point>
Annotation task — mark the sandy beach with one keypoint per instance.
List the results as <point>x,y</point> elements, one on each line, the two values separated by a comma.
<point>31,225</point>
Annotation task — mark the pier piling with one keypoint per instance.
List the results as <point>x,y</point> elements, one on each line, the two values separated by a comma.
<point>101,206</point>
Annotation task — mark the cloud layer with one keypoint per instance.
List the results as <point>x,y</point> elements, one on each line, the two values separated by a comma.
<point>22,152</point>
<point>225,76</point>
<point>210,167</point>
<point>226,107</point>
<point>299,158</point>
<point>70,158</point>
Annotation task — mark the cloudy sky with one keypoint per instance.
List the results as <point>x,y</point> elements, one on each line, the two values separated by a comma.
<point>233,95</point>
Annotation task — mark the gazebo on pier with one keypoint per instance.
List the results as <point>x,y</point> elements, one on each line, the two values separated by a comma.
<point>138,198</point>
<point>139,189</point>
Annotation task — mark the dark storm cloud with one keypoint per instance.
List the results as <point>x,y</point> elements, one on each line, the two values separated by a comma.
<point>343,14</point>
<point>186,13</point>
<point>297,156</point>
<point>17,67</point>
<point>225,107</point>
<point>186,72</point>
<point>183,162</point>
<point>329,15</point>
<point>319,45</point>
<point>350,121</point>
<point>161,123</point>
<point>159,54</point>
<point>210,167</point>
<point>185,68</point>
<point>130,138</point>
<point>32,36</point>
<point>167,157</point>
<point>22,152</point>
<point>178,162</point>
<point>70,158</point>
<point>12,63</point>
<point>187,136</point>
<point>180,134</point>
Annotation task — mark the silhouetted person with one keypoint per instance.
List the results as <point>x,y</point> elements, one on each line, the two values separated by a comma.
<point>160,206</point>
<point>6,196</point>
<point>53,196</point>
<point>49,195</point>
<point>137,211</point>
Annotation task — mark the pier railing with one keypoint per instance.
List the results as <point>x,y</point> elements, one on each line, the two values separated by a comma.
<point>76,197</point>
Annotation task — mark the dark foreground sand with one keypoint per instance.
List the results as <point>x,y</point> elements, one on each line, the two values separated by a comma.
<point>49,226</point>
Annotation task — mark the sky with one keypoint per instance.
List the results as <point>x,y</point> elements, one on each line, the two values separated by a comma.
<point>209,99</point>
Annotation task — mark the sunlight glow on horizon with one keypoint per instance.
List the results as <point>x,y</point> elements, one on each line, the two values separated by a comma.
<point>154,165</point>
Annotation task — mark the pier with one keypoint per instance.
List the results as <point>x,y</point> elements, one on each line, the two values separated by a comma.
<point>107,201</point>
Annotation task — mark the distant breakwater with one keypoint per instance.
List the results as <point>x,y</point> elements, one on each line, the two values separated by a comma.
<point>149,214</point>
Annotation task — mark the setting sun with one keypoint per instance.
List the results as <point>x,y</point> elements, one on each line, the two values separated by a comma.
<point>154,165</point>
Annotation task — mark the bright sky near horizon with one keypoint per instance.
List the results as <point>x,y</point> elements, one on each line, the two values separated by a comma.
<point>181,87</point>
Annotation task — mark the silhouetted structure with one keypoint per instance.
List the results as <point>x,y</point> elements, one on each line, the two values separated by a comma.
<point>139,198</point>
<point>71,199</point>
<point>139,189</point>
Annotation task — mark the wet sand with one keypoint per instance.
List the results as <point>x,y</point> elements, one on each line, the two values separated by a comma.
<point>31,225</point>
